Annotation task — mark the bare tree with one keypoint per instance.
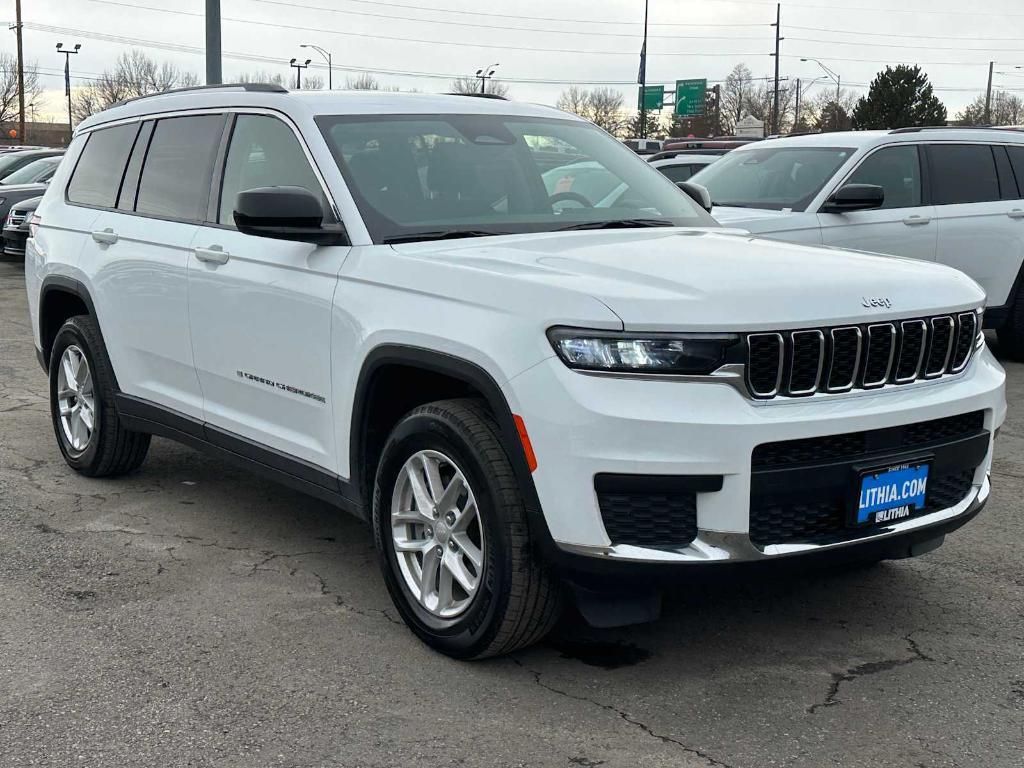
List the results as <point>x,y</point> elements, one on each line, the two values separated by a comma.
<point>134,74</point>
<point>1006,109</point>
<point>313,82</point>
<point>737,95</point>
<point>601,106</point>
<point>824,113</point>
<point>469,85</point>
<point>364,81</point>
<point>260,76</point>
<point>9,87</point>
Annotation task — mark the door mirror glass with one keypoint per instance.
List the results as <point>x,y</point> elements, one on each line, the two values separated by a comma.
<point>855,197</point>
<point>283,213</point>
<point>698,193</point>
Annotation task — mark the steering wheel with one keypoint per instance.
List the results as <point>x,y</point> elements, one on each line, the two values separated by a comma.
<point>576,197</point>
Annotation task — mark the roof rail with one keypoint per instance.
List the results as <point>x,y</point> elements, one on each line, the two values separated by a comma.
<point>479,95</point>
<point>918,129</point>
<point>255,87</point>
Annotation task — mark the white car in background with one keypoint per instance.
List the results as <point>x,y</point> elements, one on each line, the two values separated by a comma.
<point>948,195</point>
<point>682,167</point>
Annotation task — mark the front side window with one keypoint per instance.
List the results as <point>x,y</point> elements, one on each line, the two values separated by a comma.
<point>265,153</point>
<point>774,177</point>
<point>420,176</point>
<point>963,173</point>
<point>176,174</point>
<point>897,170</point>
<point>97,175</point>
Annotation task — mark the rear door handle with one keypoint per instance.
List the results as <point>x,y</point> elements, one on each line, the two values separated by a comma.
<point>1016,213</point>
<point>106,236</point>
<point>916,221</point>
<point>212,255</point>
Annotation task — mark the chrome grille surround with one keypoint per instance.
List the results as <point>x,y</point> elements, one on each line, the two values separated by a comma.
<point>889,353</point>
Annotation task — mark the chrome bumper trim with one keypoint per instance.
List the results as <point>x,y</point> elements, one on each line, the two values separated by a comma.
<point>719,547</point>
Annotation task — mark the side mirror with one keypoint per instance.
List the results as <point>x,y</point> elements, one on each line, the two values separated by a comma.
<point>284,213</point>
<point>854,197</point>
<point>698,192</point>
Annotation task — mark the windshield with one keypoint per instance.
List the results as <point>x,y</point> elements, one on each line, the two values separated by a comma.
<point>779,178</point>
<point>474,175</point>
<point>11,161</point>
<point>36,171</point>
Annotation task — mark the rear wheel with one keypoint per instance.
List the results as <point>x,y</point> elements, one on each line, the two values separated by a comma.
<point>454,543</point>
<point>85,421</point>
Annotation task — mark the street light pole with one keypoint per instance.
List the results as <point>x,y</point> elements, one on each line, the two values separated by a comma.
<point>838,81</point>
<point>298,72</point>
<point>214,76</point>
<point>485,74</point>
<point>67,79</point>
<point>327,57</point>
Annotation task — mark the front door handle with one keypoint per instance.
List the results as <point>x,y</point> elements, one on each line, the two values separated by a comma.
<point>106,236</point>
<point>1016,213</point>
<point>916,221</point>
<point>212,255</point>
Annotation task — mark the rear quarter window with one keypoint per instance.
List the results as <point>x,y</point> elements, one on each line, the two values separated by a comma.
<point>97,175</point>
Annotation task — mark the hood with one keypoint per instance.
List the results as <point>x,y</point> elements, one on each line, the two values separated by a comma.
<point>712,280</point>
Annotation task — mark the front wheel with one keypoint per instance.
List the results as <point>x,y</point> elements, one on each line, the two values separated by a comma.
<point>454,542</point>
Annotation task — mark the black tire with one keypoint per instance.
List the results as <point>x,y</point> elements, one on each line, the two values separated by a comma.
<point>112,450</point>
<point>1011,332</point>
<point>518,600</point>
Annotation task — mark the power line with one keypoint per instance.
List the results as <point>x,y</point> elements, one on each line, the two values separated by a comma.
<point>491,14</point>
<point>903,36</point>
<point>862,44</point>
<point>393,38</point>
<point>876,9</point>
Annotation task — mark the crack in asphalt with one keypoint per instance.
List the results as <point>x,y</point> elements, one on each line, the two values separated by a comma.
<point>863,670</point>
<point>340,602</point>
<point>625,716</point>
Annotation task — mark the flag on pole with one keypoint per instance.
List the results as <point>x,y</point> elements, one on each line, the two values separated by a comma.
<point>642,74</point>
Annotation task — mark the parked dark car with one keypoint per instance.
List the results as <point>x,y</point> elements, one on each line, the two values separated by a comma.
<point>17,193</point>
<point>36,172</point>
<point>16,226</point>
<point>12,161</point>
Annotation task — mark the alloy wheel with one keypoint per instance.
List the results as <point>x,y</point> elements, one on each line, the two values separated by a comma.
<point>76,399</point>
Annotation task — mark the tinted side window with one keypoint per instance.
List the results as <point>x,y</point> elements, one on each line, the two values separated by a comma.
<point>897,170</point>
<point>176,175</point>
<point>97,175</point>
<point>677,172</point>
<point>1017,161</point>
<point>130,185</point>
<point>963,173</point>
<point>265,153</point>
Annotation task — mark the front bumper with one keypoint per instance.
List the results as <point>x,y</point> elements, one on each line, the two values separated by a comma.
<point>583,425</point>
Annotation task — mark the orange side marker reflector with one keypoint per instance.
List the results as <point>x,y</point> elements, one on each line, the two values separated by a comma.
<point>524,438</point>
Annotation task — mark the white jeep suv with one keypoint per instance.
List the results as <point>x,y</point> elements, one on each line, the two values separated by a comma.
<point>950,195</point>
<point>528,395</point>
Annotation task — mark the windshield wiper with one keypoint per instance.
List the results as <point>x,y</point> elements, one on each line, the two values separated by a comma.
<point>441,234</point>
<point>618,224</point>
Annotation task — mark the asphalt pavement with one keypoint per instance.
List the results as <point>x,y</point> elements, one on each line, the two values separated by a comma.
<point>194,615</point>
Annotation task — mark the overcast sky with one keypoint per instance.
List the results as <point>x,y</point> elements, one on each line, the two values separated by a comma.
<point>539,41</point>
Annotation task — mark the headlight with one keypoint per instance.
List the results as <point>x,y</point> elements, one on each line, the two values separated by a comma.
<point>642,353</point>
<point>979,342</point>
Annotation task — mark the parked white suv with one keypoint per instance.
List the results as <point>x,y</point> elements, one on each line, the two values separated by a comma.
<point>375,299</point>
<point>951,195</point>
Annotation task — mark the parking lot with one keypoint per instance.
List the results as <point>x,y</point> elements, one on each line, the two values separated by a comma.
<point>193,615</point>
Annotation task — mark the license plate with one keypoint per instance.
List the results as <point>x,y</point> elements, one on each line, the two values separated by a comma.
<point>892,493</point>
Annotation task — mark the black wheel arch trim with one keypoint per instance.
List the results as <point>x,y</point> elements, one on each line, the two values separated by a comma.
<point>65,284</point>
<point>361,476</point>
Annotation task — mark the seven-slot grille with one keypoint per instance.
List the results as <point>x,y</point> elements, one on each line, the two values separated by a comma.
<point>803,362</point>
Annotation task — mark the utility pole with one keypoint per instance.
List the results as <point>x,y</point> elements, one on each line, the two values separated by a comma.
<point>67,79</point>
<point>213,70</point>
<point>778,39</point>
<point>21,73</point>
<point>988,90</point>
<point>796,111</point>
<point>298,72</point>
<point>718,108</point>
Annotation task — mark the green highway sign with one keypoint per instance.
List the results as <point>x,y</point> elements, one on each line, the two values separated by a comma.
<point>653,97</point>
<point>690,97</point>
